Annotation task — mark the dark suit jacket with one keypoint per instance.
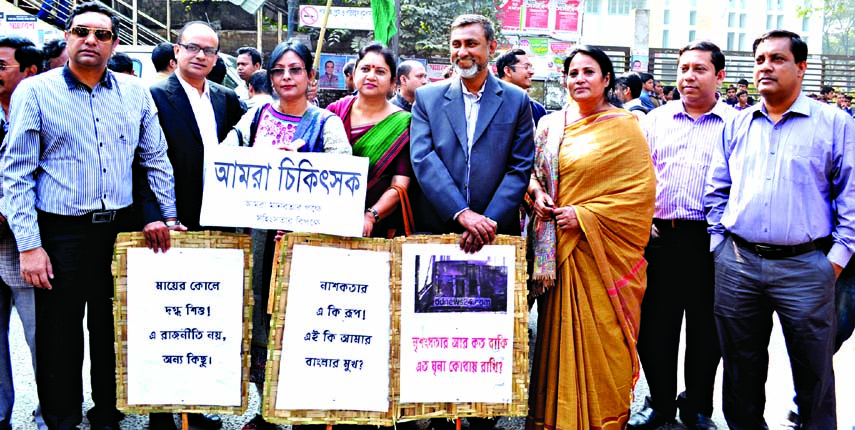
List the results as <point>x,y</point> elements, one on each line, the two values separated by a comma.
<point>501,157</point>
<point>185,149</point>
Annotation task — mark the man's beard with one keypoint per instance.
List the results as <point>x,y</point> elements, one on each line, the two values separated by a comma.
<point>469,71</point>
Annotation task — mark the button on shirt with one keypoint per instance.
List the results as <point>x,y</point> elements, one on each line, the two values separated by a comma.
<point>787,183</point>
<point>70,149</point>
<point>471,106</point>
<point>203,110</point>
<point>682,149</point>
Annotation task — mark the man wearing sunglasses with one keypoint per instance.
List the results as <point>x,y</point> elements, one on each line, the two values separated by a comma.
<point>194,113</point>
<point>72,138</point>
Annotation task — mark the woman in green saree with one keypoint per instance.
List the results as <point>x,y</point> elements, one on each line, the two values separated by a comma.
<point>379,130</point>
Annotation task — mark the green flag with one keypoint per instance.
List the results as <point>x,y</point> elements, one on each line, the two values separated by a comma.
<point>383,13</point>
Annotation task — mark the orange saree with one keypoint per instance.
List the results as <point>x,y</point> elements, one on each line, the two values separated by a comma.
<point>585,360</point>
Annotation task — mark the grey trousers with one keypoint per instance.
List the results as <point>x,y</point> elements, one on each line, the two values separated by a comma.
<point>24,302</point>
<point>801,291</point>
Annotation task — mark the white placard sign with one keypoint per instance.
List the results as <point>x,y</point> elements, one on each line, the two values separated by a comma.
<point>284,190</point>
<point>185,326</point>
<point>457,324</point>
<point>335,344</point>
<point>352,18</point>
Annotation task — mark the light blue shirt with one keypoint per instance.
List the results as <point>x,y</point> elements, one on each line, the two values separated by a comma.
<point>70,149</point>
<point>787,183</point>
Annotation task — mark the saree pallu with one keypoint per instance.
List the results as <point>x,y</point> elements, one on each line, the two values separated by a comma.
<point>585,359</point>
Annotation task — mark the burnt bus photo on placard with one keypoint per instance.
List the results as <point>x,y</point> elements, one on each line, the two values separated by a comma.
<point>444,284</point>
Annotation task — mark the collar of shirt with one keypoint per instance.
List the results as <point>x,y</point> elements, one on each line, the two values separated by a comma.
<point>73,82</point>
<point>471,107</point>
<point>720,110</point>
<point>203,110</point>
<point>800,106</point>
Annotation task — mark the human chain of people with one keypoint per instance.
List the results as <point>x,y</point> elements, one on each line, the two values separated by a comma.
<point>639,204</point>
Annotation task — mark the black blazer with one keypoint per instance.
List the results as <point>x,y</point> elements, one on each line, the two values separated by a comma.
<point>184,141</point>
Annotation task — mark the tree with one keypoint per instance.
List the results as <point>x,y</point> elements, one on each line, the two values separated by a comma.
<point>838,25</point>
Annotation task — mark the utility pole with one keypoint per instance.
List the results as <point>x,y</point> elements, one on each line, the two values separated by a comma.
<point>397,37</point>
<point>293,10</point>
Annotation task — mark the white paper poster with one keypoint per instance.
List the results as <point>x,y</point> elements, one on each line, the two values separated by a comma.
<point>185,326</point>
<point>335,344</point>
<point>457,324</point>
<point>284,190</point>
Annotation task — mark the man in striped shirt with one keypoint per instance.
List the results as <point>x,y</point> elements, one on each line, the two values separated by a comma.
<point>680,277</point>
<point>73,135</point>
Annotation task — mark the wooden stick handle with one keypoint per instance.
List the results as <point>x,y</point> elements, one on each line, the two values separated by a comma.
<point>184,424</point>
<point>321,39</point>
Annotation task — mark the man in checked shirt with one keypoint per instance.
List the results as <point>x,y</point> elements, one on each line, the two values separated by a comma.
<point>73,135</point>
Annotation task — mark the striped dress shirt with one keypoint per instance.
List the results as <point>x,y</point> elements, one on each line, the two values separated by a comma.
<point>70,149</point>
<point>682,148</point>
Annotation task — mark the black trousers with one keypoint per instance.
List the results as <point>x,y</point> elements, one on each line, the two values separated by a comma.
<point>680,280</point>
<point>81,254</point>
<point>800,289</point>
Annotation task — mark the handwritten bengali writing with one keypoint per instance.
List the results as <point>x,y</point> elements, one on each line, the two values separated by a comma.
<point>495,343</point>
<point>188,310</point>
<point>170,286</point>
<point>333,311</point>
<point>284,206</point>
<point>334,362</point>
<point>468,302</point>
<point>294,175</point>
<point>328,336</point>
<point>344,287</point>
<point>287,220</point>
<point>439,366</point>
<point>249,174</point>
<point>190,333</point>
<point>206,286</point>
<point>198,360</point>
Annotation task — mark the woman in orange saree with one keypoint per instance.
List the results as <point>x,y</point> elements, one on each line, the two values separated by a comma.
<point>593,190</point>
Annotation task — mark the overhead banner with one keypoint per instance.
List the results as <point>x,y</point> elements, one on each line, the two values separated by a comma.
<point>351,18</point>
<point>284,190</point>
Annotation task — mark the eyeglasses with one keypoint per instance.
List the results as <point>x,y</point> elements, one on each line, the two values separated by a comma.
<point>102,34</point>
<point>3,67</point>
<point>526,66</point>
<point>292,71</point>
<point>194,49</point>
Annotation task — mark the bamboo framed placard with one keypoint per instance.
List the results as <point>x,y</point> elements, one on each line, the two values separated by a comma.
<point>441,333</point>
<point>183,320</point>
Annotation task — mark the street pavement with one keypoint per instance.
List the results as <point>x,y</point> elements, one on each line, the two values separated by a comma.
<point>779,389</point>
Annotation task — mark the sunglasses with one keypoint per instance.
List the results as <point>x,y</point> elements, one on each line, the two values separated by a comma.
<point>102,34</point>
<point>292,71</point>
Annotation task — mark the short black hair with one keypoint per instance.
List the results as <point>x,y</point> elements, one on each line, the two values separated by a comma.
<point>847,97</point>
<point>742,81</point>
<point>161,55</point>
<point>797,46</point>
<point>716,55</point>
<point>52,49</point>
<point>631,81</point>
<point>741,92</point>
<point>469,19</point>
<point>97,7</point>
<point>730,88</point>
<point>180,37</point>
<point>121,63</point>
<point>825,89</point>
<point>384,52</point>
<point>506,60</point>
<point>602,59</point>
<point>644,76</point>
<point>295,46</point>
<point>253,53</point>
<point>218,72</point>
<point>259,82</point>
<point>329,62</point>
<point>675,94</point>
<point>347,70</point>
<point>26,53</point>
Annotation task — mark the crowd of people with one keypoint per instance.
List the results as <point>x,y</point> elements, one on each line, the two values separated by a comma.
<point>641,204</point>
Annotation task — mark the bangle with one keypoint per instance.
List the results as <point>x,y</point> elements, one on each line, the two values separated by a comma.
<point>373,212</point>
<point>173,223</point>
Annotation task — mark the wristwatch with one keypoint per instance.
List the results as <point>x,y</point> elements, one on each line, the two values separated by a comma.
<point>373,212</point>
<point>172,223</point>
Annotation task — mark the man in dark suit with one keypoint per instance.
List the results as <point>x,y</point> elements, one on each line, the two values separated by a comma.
<point>194,113</point>
<point>471,143</point>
